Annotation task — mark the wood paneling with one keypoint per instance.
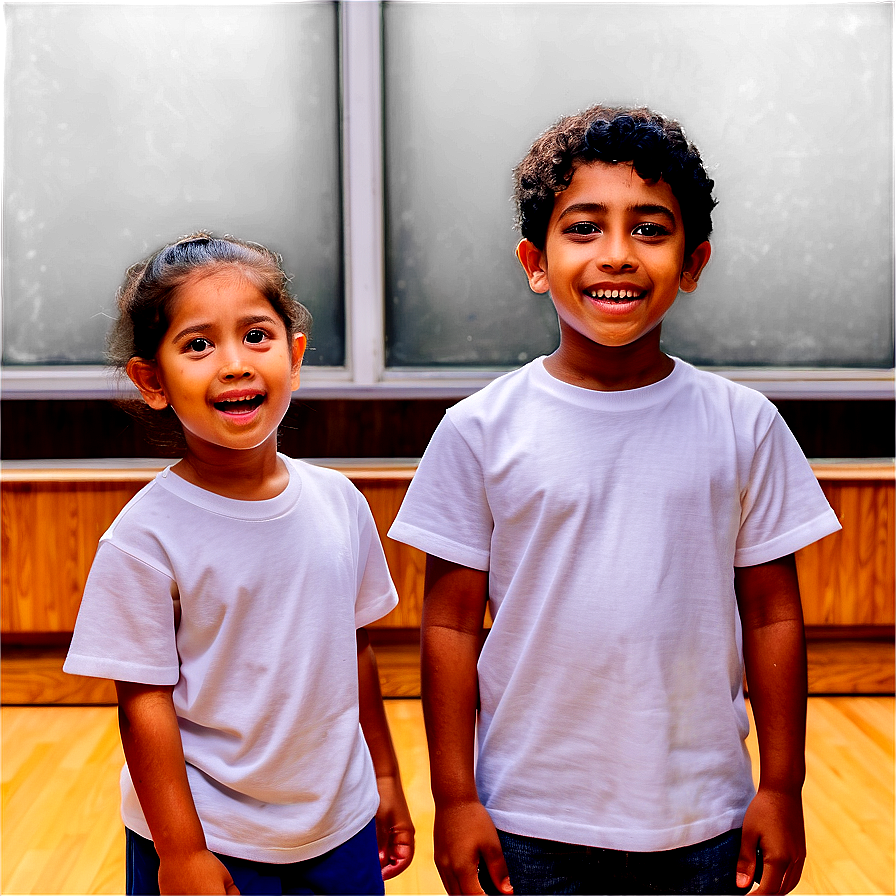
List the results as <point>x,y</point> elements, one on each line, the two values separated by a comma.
<point>848,578</point>
<point>49,535</point>
<point>52,519</point>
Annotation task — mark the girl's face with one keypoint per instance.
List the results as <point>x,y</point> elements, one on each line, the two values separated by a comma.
<point>225,365</point>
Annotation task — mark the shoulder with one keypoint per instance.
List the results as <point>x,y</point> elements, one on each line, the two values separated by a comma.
<point>725,396</point>
<point>143,511</point>
<point>318,475</point>
<point>139,536</point>
<point>501,396</point>
<point>325,483</point>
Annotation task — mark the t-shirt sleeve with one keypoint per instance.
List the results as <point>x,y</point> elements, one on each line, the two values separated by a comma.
<point>376,594</point>
<point>783,508</point>
<point>446,511</point>
<point>125,625</point>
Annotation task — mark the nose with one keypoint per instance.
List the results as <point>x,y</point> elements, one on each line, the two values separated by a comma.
<point>616,254</point>
<point>236,367</point>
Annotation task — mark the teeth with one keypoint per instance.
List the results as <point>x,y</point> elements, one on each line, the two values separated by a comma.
<point>232,402</point>
<point>613,294</point>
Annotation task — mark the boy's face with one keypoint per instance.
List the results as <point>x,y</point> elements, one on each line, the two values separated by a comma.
<point>613,259</point>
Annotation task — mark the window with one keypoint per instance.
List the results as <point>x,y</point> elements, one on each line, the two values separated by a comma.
<point>372,145</point>
<point>128,126</point>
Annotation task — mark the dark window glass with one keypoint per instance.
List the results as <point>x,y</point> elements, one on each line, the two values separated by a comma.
<point>790,105</point>
<point>129,126</point>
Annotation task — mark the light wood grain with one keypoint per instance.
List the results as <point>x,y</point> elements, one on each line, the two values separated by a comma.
<point>61,831</point>
<point>849,578</point>
<point>34,676</point>
<point>52,520</point>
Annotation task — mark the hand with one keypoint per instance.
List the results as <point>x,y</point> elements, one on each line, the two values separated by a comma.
<point>464,836</point>
<point>394,828</point>
<point>773,825</point>
<point>198,872</point>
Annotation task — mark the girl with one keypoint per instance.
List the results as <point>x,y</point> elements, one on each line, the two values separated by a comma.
<point>228,600</point>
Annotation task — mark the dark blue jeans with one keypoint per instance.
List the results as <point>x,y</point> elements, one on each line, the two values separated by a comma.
<point>353,867</point>
<point>543,866</point>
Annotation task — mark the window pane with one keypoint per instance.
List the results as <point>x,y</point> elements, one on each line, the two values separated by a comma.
<point>790,105</point>
<point>129,126</point>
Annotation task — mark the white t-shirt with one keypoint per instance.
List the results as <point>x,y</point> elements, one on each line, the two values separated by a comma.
<point>610,523</point>
<point>264,661</point>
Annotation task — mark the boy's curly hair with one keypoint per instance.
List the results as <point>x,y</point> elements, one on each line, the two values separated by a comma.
<point>656,145</point>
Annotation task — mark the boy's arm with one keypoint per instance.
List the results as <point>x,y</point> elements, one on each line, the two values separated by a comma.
<point>155,756</point>
<point>394,828</point>
<point>768,599</point>
<point>451,633</point>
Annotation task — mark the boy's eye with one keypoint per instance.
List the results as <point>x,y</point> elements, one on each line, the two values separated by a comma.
<point>650,228</point>
<point>199,344</point>
<point>253,337</point>
<point>583,228</point>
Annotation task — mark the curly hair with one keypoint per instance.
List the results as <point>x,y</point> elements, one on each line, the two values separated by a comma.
<point>655,145</point>
<point>150,286</point>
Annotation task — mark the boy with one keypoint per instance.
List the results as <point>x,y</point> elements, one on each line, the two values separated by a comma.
<point>631,522</point>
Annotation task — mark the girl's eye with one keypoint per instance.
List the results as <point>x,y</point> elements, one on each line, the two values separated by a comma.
<point>583,228</point>
<point>253,337</point>
<point>650,228</point>
<point>199,344</point>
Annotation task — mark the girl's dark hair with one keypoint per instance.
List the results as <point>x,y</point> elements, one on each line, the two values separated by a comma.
<point>150,286</point>
<point>657,147</point>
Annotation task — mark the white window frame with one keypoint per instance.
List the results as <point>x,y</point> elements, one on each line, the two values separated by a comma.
<point>365,374</point>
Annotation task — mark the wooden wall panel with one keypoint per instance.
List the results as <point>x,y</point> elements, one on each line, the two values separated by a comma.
<point>50,533</point>
<point>51,523</point>
<point>52,520</point>
<point>406,564</point>
<point>848,578</point>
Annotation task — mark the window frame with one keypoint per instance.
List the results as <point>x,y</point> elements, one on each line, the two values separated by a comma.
<point>365,374</point>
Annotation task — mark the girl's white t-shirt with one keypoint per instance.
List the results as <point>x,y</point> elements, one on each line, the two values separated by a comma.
<point>610,523</point>
<point>264,660</point>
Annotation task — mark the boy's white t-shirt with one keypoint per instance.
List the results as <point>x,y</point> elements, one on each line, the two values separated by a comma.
<point>612,709</point>
<point>264,661</point>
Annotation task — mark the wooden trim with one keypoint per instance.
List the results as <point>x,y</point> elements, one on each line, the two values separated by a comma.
<point>110,470</point>
<point>402,470</point>
<point>851,471</point>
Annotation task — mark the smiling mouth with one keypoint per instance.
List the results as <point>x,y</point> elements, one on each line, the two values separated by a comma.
<point>240,405</point>
<point>615,295</point>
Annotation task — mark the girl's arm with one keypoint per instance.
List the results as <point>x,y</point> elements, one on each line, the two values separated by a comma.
<point>154,752</point>
<point>768,598</point>
<point>451,637</point>
<point>394,828</point>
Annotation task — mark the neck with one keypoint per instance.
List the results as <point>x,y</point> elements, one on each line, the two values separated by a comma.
<point>589,365</point>
<point>253,474</point>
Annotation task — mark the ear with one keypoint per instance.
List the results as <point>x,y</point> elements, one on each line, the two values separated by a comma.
<point>298,353</point>
<point>534,263</point>
<point>693,266</point>
<point>145,376</point>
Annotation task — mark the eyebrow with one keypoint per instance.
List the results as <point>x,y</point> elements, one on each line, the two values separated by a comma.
<point>242,322</point>
<point>600,208</point>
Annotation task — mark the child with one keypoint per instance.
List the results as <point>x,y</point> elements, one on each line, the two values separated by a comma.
<point>228,600</point>
<point>631,522</point>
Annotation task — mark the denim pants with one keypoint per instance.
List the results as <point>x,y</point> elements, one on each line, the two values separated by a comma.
<point>544,866</point>
<point>353,867</point>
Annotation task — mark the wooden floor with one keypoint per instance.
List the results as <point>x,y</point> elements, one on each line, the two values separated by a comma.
<point>61,832</point>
